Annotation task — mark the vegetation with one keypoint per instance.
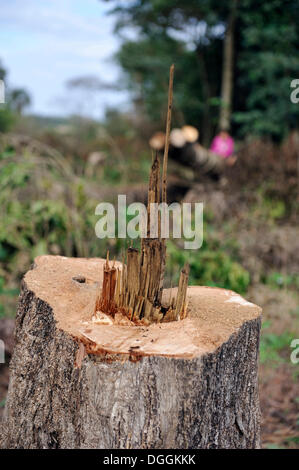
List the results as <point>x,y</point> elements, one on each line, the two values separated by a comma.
<point>191,34</point>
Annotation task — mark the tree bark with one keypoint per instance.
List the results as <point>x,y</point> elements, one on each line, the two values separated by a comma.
<point>187,384</point>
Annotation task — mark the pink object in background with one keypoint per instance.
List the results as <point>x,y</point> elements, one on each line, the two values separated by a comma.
<point>223,145</point>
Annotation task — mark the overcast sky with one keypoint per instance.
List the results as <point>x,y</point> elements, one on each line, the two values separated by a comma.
<point>44,43</point>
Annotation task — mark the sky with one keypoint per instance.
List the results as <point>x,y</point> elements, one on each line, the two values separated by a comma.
<point>45,43</point>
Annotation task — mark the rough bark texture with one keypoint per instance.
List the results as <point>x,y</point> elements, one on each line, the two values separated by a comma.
<point>210,401</point>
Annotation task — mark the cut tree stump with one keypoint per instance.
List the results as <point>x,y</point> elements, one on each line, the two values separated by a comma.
<point>78,384</point>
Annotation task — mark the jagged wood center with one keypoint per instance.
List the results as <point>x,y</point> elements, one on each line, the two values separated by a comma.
<point>136,289</point>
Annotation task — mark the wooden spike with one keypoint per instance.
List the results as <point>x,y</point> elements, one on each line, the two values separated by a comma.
<point>118,287</point>
<point>168,124</point>
<point>153,190</point>
<point>164,177</point>
<point>136,289</point>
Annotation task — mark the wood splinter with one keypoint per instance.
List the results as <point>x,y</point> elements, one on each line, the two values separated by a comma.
<point>136,289</point>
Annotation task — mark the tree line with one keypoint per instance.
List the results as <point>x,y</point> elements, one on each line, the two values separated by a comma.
<point>234,62</point>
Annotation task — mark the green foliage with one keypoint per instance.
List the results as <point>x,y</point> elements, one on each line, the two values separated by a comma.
<point>7,297</point>
<point>210,265</point>
<point>112,175</point>
<point>44,209</point>
<point>268,207</point>
<point>190,34</point>
<point>7,119</point>
<point>216,263</point>
<point>147,64</point>
<point>292,439</point>
<point>274,446</point>
<point>275,349</point>
<point>268,61</point>
<point>16,100</point>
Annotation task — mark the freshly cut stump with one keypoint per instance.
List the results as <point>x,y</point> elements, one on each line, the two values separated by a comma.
<point>77,384</point>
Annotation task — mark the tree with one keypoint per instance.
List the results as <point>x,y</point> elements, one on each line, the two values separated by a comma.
<point>197,36</point>
<point>227,71</point>
<point>18,100</point>
<point>268,39</point>
<point>180,32</point>
<point>6,116</point>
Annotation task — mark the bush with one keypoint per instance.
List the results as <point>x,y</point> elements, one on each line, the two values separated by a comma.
<point>210,265</point>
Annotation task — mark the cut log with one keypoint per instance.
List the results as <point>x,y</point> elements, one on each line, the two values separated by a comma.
<point>190,133</point>
<point>75,383</point>
<point>185,150</point>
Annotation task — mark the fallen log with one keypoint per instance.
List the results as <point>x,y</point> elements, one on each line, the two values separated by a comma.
<point>76,383</point>
<point>106,358</point>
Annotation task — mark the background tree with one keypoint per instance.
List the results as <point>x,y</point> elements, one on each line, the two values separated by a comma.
<point>16,100</point>
<point>6,116</point>
<point>192,34</point>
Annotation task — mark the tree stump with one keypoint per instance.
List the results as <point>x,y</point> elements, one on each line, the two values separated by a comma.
<point>77,384</point>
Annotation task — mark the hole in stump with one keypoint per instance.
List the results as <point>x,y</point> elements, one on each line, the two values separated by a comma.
<point>80,279</point>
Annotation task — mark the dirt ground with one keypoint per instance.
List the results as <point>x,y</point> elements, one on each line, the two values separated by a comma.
<point>279,405</point>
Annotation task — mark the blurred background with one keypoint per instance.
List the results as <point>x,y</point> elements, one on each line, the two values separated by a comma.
<point>86,90</point>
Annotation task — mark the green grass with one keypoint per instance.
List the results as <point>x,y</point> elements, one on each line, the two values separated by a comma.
<point>7,299</point>
<point>211,265</point>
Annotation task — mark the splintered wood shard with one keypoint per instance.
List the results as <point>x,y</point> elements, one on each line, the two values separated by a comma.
<point>136,289</point>
<point>106,302</point>
<point>153,196</point>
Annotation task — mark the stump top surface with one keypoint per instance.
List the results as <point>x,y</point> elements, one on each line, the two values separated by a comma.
<point>70,287</point>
